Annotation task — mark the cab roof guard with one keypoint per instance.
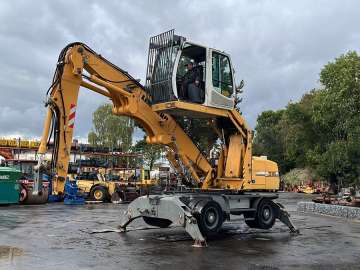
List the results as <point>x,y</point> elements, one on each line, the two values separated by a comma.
<point>161,59</point>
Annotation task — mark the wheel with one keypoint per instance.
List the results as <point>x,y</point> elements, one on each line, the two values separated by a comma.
<point>157,222</point>
<point>23,194</point>
<point>251,223</point>
<point>210,217</point>
<point>26,196</point>
<point>116,197</point>
<point>99,194</point>
<point>265,215</point>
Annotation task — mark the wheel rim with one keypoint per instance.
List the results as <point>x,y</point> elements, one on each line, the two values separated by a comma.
<point>266,214</point>
<point>211,218</point>
<point>98,194</point>
<point>23,194</point>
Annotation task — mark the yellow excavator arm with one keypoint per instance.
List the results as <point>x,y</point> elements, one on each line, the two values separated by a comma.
<point>79,66</point>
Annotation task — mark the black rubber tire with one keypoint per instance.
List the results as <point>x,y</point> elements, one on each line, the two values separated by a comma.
<point>210,218</point>
<point>251,223</point>
<point>157,222</point>
<point>23,194</point>
<point>265,214</point>
<point>104,196</point>
<point>30,198</point>
<point>116,197</point>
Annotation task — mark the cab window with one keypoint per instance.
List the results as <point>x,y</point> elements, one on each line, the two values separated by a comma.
<point>197,56</point>
<point>221,74</point>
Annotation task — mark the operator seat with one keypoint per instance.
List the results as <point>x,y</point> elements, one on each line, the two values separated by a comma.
<point>202,82</point>
<point>197,93</point>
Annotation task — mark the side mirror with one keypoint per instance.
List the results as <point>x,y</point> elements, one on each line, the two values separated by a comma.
<point>239,87</point>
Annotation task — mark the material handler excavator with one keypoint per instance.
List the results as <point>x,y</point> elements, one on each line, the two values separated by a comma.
<point>220,184</point>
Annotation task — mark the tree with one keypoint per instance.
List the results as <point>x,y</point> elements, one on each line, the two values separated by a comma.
<point>269,139</point>
<point>337,109</point>
<point>151,152</point>
<point>111,130</point>
<point>321,131</point>
<point>336,113</point>
<point>298,131</point>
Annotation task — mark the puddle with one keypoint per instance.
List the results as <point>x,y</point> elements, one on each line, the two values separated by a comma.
<point>8,252</point>
<point>262,238</point>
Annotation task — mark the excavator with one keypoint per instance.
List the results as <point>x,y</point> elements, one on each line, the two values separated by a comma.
<point>216,187</point>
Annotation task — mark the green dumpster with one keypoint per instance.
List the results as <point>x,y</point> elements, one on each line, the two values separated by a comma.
<point>9,187</point>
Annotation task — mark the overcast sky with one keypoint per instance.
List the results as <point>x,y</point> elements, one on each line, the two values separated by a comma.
<point>277,47</point>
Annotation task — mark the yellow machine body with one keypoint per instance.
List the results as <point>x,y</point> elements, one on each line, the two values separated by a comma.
<point>86,185</point>
<point>265,175</point>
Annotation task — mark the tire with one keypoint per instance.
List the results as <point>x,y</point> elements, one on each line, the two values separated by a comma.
<point>157,222</point>
<point>251,223</point>
<point>99,194</point>
<point>210,217</point>
<point>116,197</point>
<point>265,215</point>
<point>23,194</point>
<point>37,199</point>
<point>26,196</point>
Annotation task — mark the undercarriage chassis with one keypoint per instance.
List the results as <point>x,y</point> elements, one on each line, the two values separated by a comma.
<point>202,214</point>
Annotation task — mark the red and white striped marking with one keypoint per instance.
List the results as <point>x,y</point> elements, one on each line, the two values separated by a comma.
<point>71,120</point>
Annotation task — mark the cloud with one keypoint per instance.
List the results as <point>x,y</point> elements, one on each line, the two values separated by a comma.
<point>277,47</point>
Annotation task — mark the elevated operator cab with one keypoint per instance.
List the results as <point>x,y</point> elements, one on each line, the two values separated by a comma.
<point>184,78</point>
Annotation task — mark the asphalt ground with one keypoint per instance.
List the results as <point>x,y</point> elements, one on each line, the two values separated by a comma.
<point>55,236</point>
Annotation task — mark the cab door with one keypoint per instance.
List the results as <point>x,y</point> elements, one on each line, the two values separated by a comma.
<point>220,86</point>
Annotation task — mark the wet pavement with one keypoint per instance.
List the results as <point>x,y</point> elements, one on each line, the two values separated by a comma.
<point>55,236</point>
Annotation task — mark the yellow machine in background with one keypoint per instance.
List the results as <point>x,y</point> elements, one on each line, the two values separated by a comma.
<point>169,94</point>
<point>98,186</point>
<point>307,189</point>
<point>97,190</point>
<point>145,178</point>
<point>14,143</point>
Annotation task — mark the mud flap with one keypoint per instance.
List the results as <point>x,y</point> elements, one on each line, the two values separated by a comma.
<point>164,207</point>
<point>284,217</point>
